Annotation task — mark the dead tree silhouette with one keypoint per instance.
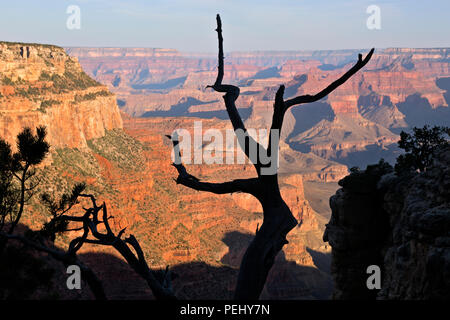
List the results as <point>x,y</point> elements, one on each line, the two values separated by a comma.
<point>278,220</point>
<point>32,149</point>
<point>129,247</point>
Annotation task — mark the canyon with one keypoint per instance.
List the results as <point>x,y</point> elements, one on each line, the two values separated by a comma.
<point>126,162</point>
<point>400,88</point>
<point>110,132</point>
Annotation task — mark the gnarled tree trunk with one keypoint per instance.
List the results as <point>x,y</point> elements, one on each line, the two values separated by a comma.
<point>278,220</point>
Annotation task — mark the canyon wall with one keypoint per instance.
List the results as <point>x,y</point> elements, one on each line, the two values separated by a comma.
<point>400,224</point>
<point>126,163</point>
<point>42,85</point>
<point>201,236</point>
<point>200,226</point>
<point>131,169</point>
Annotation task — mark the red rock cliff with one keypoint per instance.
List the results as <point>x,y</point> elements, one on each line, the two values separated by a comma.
<point>42,85</point>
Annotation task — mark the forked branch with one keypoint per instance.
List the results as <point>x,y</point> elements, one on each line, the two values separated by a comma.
<point>91,234</point>
<point>278,219</point>
<point>136,259</point>
<point>232,93</point>
<point>312,98</point>
<point>190,181</point>
<point>280,106</point>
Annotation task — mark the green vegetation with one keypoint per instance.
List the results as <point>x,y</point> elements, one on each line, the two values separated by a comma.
<point>45,76</point>
<point>7,81</point>
<point>162,186</point>
<point>17,171</point>
<point>20,81</point>
<point>47,103</point>
<point>22,92</point>
<point>120,148</point>
<point>75,161</point>
<point>91,96</point>
<point>33,91</point>
<point>180,232</point>
<point>70,81</point>
<point>419,147</point>
<point>68,165</point>
<point>49,46</point>
<point>24,271</point>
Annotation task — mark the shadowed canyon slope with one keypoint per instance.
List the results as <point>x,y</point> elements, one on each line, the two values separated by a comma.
<point>398,222</point>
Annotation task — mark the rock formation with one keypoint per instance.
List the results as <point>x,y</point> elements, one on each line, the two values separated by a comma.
<point>400,88</point>
<point>399,223</point>
<point>42,85</point>
<point>130,170</point>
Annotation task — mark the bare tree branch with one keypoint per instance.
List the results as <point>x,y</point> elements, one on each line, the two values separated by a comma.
<point>22,181</point>
<point>312,98</point>
<point>232,93</point>
<point>190,181</point>
<point>239,185</point>
<point>136,261</point>
<point>281,106</point>
<point>278,219</point>
<point>277,118</point>
<point>106,222</point>
<point>77,243</point>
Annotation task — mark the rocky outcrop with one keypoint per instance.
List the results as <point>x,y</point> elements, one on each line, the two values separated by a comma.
<point>42,85</point>
<point>399,223</point>
<point>341,136</point>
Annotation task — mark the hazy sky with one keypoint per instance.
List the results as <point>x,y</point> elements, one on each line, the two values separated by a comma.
<point>248,25</point>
